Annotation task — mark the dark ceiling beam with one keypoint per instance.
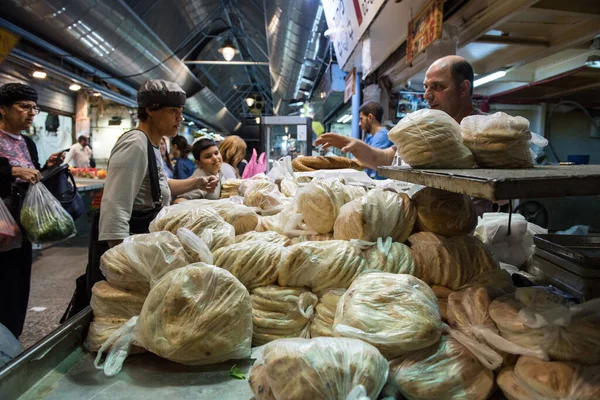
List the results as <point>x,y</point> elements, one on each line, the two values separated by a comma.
<point>579,8</point>
<point>513,40</point>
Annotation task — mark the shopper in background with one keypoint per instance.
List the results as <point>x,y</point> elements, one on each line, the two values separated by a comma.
<point>233,151</point>
<point>371,115</point>
<point>209,162</point>
<point>19,167</point>
<point>80,153</point>
<point>448,87</point>
<point>184,167</point>
<point>166,159</point>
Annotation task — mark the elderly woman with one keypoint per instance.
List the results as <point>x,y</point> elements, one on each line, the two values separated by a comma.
<point>19,167</point>
<point>137,186</point>
<point>233,151</point>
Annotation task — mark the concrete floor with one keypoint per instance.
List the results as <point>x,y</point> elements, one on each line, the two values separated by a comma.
<point>52,284</point>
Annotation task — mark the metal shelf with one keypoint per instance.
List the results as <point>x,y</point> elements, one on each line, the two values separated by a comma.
<point>505,184</point>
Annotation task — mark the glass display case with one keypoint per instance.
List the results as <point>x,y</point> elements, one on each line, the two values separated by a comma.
<point>287,136</point>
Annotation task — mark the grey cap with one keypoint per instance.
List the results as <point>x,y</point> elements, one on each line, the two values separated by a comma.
<point>163,93</point>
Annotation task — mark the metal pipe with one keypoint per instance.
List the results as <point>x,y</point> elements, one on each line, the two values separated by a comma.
<point>356,107</point>
<point>216,62</point>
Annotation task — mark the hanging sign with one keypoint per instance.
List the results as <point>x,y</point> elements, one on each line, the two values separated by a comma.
<point>8,40</point>
<point>350,85</point>
<point>348,20</point>
<point>424,29</point>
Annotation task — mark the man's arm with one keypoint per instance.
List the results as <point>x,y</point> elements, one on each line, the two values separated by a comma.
<point>367,155</point>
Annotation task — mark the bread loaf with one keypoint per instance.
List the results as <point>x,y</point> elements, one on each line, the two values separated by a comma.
<point>267,236</point>
<point>319,202</point>
<point>109,301</point>
<point>445,213</point>
<point>322,324</point>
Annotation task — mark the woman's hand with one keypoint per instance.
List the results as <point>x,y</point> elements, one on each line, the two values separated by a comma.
<point>30,175</point>
<point>208,183</point>
<point>54,159</point>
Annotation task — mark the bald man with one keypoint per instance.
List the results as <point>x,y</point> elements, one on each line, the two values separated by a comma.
<point>448,87</point>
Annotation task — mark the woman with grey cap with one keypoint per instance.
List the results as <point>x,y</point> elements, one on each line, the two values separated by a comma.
<point>137,186</point>
<point>19,167</point>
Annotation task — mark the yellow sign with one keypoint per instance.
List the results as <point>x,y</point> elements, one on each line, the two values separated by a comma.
<point>8,40</point>
<point>424,29</point>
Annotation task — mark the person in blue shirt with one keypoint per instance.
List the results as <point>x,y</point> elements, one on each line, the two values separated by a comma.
<point>371,114</point>
<point>184,167</point>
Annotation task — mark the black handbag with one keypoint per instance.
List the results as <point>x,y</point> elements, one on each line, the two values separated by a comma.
<point>139,223</point>
<point>61,184</point>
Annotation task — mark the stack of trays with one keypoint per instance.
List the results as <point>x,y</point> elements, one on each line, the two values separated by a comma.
<point>570,263</point>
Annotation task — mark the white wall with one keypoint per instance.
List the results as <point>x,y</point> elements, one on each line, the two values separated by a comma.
<point>104,136</point>
<point>48,143</point>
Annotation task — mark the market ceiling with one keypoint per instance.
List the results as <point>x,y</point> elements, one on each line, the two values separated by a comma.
<point>278,46</point>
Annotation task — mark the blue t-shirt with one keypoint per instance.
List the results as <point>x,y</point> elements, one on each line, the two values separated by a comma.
<point>184,168</point>
<point>379,140</point>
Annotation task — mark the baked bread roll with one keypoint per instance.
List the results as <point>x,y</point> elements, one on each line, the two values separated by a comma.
<point>321,265</point>
<point>195,219</point>
<point>391,257</point>
<point>322,324</point>
<point>268,236</point>
<point>263,194</point>
<point>498,140</point>
<point>319,202</point>
<point>320,368</point>
<point>431,139</point>
<point>396,313</point>
<point>446,370</point>
<point>254,263</point>
<point>378,214</point>
<point>535,317</point>
<point>281,312</point>
<point>445,213</point>
<point>109,301</point>
<point>450,262</point>
<point>229,188</point>
<point>141,260</point>
<point>197,315</point>
<point>314,163</point>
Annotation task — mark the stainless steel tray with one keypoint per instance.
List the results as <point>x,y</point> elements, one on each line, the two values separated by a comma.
<point>568,265</point>
<point>583,250</point>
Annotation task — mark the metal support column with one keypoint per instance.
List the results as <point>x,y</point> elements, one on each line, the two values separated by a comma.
<point>355,107</point>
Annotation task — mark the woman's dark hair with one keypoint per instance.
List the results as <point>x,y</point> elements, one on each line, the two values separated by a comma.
<point>182,145</point>
<point>200,146</point>
<point>167,157</point>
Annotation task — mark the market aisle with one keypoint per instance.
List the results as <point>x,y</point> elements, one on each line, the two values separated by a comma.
<point>52,285</point>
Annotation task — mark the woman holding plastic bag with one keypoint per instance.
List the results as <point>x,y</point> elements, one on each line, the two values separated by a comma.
<point>19,168</point>
<point>137,186</point>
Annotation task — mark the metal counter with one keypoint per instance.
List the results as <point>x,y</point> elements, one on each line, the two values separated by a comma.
<point>59,367</point>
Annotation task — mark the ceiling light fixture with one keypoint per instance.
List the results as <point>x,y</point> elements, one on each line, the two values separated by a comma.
<point>250,101</point>
<point>228,50</point>
<point>39,74</point>
<point>489,78</point>
<point>257,120</point>
<point>74,87</point>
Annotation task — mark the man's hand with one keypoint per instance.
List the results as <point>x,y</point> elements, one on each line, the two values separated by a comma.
<point>54,159</point>
<point>208,183</point>
<point>30,175</point>
<point>344,143</point>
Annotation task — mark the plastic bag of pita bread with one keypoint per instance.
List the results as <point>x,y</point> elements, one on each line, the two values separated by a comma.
<point>109,301</point>
<point>319,368</point>
<point>322,323</point>
<point>267,236</point>
<point>431,139</point>
<point>196,315</point>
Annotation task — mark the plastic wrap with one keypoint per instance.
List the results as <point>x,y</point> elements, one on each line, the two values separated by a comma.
<point>322,324</point>
<point>141,260</point>
<point>267,236</point>
<point>497,282</point>
<point>196,315</point>
<point>111,302</point>
<point>241,217</point>
<point>537,317</point>
<point>197,249</point>
<point>44,218</point>
<point>446,370</point>
<point>263,194</point>
<point>321,265</point>
<point>103,328</point>
<point>320,368</point>
<point>378,214</point>
<point>10,234</point>
<point>312,238</point>
<point>319,202</point>
<point>254,263</point>
<point>289,186</point>
<point>498,140</point>
<point>445,213</point>
<point>450,262</point>
<point>388,256</point>
<point>281,312</point>
<point>229,188</point>
<point>442,294</point>
<point>197,220</point>
<point>532,379</point>
<point>396,313</point>
<point>431,139</point>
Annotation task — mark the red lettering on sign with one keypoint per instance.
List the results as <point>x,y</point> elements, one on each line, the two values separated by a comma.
<point>357,10</point>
